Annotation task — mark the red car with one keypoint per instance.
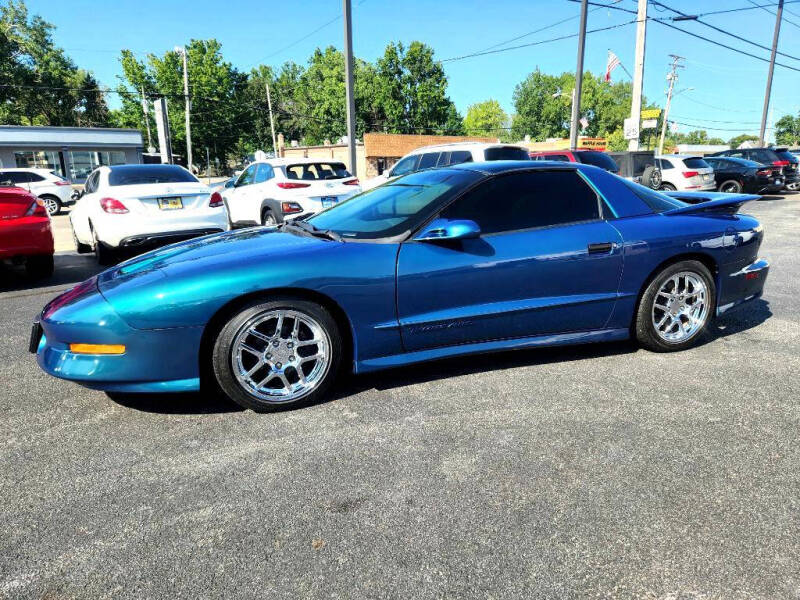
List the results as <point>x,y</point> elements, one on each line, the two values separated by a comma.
<point>25,234</point>
<point>587,157</point>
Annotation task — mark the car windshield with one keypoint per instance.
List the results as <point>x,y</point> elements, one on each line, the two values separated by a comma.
<point>598,159</point>
<point>657,201</point>
<point>396,207</point>
<point>144,174</point>
<point>317,171</point>
<point>506,153</point>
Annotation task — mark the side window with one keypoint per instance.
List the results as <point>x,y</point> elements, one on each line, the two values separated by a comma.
<point>527,200</point>
<point>263,173</point>
<point>406,165</point>
<point>91,183</point>
<point>17,177</point>
<point>248,177</point>
<point>428,160</point>
<point>737,154</point>
<point>558,157</point>
<point>664,164</point>
<point>35,177</point>
<point>458,157</point>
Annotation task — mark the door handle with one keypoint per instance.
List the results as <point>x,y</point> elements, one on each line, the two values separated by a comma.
<point>600,248</point>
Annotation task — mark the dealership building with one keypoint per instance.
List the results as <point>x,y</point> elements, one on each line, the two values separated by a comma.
<point>72,152</point>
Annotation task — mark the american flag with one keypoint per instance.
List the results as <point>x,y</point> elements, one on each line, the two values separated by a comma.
<point>613,63</point>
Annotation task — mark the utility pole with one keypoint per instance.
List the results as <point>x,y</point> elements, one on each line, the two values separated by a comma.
<point>271,121</point>
<point>348,72</point>
<point>775,36</point>
<point>208,166</point>
<point>638,70</point>
<point>162,127</point>
<point>146,111</point>
<point>182,50</point>
<point>576,98</point>
<point>672,77</point>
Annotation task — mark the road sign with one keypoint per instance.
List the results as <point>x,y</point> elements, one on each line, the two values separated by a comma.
<point>651,113</point>
<point>649,123</point>
<point>631,129</point>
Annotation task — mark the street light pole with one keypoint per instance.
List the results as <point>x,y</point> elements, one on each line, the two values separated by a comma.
<point>348,70</point>
<point>672,77</point>
<point>182,50</point>
<point>775,35</point>
<point>638,70</point>
<point>271,120</point>
<point>576,102</point>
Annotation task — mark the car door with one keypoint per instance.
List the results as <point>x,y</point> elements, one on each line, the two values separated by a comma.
<point>546,262</point>
<point>239,208</point>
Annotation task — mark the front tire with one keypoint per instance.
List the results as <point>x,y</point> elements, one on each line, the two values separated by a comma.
<point>667,187</point>
<point>279,353</point>
<point>676,307</point>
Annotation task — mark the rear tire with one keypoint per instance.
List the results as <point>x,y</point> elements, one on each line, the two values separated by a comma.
<point>669,317</point>
<point>52,204</point>
<point>730,187</point>
<point>39,266</point>
<point>260,372</point>
<point>268,218</point>
<point>102,253</point>
<point>80,247</point>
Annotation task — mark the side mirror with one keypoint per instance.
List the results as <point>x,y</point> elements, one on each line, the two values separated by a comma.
<point>446,230</point>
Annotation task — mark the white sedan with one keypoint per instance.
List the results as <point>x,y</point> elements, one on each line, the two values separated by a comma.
<point>137,207</point>
<point>271,191</point>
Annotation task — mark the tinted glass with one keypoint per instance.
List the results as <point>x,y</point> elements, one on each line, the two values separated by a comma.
<point>147,174</point>
<point>15,177</point>
<point>263,173</point>
<point>657,201</point>
<point>428,160</point>
<point>458,157</point>
<point>527,200</point>
<point>317,171</point>
<point>598,159</point>
<point>396,207</point>
<point>762,155</point>
<point>248,177</point>
<point>664,164</point>
<point>696,163</point>
<point>558,157</point>
<point>35,177</point>
<point>406,165</point>
<point>786,155</point>
<point>506,153</point>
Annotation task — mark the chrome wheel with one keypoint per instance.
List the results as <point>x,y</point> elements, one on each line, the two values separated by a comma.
<point>680,308</point>
<point>51,205</point>
<point>280,355</point>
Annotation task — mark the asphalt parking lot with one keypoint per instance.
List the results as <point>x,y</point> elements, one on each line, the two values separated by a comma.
<point>598,471</point>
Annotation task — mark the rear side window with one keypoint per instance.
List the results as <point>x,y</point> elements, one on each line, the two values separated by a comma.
<point>664,164</point>
<point>147,174</point>
<point>527,200</point>
<point>696,163</point>
<point>598,159</point>
<point>458,157</point>
<point>35,177</point>
<point>317,171</point>
<point>558,157</point>
<point>428,160</point>
<point>506,153</point>
<point>763,156</point>
<point>405,165</point>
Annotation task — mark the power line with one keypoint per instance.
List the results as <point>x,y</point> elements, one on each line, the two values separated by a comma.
<point>774,14</point>
<point>540,42</point>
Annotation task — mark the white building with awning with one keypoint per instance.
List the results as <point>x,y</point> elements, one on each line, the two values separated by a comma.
<point>72,152</point>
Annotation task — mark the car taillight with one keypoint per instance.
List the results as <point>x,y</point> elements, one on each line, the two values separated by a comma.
<point>352,182</point>
<point>287,185</point>
<point>764,172</point>
<point>113,206</point>
<point>688,174</point>
<point>780,163</point>
<point>59,182</point>
<point>289,208</point>
<point>36,209</point>
<point>215,200</point>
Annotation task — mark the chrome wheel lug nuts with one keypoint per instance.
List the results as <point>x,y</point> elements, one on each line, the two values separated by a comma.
<point>291,359</point>
<point>279,365</point>
<point>269,356</point>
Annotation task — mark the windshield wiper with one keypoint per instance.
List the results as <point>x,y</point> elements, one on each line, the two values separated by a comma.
<point>312,230</point>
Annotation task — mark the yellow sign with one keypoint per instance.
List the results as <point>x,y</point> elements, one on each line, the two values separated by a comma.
<point>592,143</point>
<point>651,113</point>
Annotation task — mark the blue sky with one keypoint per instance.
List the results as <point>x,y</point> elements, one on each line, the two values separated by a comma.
<point>728,88</point>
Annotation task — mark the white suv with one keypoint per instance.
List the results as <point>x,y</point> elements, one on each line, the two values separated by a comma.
<point>271,191</point>
<point>683,173</point>
<point>448,154</point>
<point>54,190</point>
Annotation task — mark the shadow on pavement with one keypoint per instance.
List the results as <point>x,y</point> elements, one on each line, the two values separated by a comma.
<point>70,268</point>
<point>738,320</point>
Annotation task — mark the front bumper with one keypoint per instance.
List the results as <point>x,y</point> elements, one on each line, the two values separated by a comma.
<point>154,360</point>
<point>743,285</point>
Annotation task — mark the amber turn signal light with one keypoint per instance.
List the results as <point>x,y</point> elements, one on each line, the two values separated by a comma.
<point>97,348</point>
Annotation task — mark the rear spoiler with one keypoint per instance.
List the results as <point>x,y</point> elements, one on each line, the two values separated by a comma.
<point>709,202</point>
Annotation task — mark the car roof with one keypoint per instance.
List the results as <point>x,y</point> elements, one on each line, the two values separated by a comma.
<point>27,169</point>
<point>681,156</point>
<point>504,166</point>
<point>463,146</point>
<point>280,162</point>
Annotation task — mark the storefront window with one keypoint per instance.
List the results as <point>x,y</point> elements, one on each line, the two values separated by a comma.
<point>39,159</point>
<point>84,162</point>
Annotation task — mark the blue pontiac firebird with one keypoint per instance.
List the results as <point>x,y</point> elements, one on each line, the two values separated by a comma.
<point>475,258</point>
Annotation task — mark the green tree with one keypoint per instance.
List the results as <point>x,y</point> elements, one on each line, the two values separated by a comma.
<point>738,140</point>
<point>45,87</point>
<point>486,119</point>
<point>412,92</point>
<point>616,142</point>
<point>787,130</point>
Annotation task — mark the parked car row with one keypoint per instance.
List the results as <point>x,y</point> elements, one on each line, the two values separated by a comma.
<point>54,190</point>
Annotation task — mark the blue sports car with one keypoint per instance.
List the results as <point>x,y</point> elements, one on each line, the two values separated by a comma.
<point>475,258</point>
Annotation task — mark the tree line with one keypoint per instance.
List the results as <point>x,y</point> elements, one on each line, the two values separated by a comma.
<point>403,91</point>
